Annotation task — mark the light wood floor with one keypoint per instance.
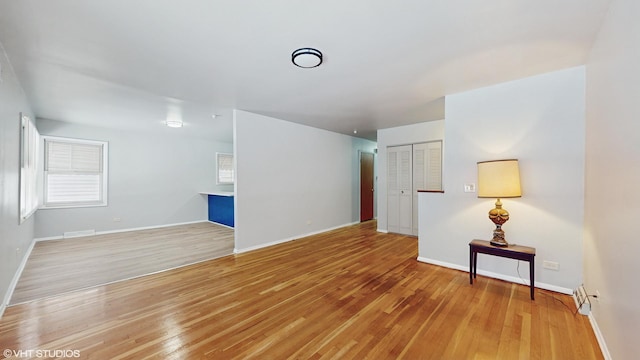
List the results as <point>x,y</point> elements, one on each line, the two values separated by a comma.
<point>351,293</point>
<point>59,266</point>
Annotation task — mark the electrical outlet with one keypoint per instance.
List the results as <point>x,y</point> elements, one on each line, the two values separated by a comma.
<point>470,188</point>
<point>551,265</point>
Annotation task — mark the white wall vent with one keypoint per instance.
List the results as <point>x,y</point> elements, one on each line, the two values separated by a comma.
<point>582,300</point>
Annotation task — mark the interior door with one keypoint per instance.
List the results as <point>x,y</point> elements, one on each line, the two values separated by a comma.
<point>399,189</point>
<point>366,186</point>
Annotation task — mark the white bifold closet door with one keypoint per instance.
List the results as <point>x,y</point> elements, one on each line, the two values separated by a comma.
<point>427,173</point>
<point>410,168</point>
<point>399,197</point>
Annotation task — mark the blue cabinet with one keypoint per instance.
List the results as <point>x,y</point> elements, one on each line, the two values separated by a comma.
<point>221,209</point>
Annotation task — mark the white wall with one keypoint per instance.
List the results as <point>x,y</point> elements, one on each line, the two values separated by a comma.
<point>154,180</point>
<point>401,135</point>
<point>540,121</point>
<point>612,200</point>
<point>291,180</point>
<point>14,239</point>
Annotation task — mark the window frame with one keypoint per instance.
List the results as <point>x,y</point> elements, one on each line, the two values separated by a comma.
<point>29,200</point>
<point>218,180</point>
<point>104,179</point>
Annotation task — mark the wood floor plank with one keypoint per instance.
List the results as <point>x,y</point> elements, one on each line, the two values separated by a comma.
<point>351,293</point>
<point>58,266</point>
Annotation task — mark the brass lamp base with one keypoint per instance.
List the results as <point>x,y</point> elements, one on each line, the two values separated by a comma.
<point>499,216</point>
<point>498,237</point>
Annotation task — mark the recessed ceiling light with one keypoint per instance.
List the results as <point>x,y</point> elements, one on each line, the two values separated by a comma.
<point>355,131</point>
<point>306,58</point>
<point>214,116</point>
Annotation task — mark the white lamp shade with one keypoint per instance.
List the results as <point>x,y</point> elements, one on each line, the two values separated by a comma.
<point>499,179</point>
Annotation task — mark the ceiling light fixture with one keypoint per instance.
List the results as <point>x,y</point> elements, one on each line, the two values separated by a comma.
<point>174,123</point>
<point>306,58</point>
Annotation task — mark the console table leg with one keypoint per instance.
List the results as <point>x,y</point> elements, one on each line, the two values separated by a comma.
<point>531,276</point>
<point>470,266</point>
<point>475,264</point>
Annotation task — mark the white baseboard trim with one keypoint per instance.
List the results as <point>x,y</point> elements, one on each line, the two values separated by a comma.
<point>16,277</point>
<point>80,233</point>
<point>596,330</point>
<point>49,238</point>
<point>149,227</point>
<point>599,337</point>
<point>490,274</point>
<point>382,231</point>
<point>272,243</point>
<point>217,223</point>
<point>127,230</point>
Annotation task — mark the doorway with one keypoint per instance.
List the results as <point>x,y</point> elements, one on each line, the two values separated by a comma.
<point>366,186</point>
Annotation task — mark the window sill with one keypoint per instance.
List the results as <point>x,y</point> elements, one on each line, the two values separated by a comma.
<point>71,206</point>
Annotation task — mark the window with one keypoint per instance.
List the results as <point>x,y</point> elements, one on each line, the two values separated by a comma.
<point>226,175</point>
<point>75,172</point>
<point>29,140</point>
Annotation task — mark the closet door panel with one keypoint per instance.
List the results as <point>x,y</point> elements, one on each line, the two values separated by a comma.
<point>399,187</point>
<point>427,173</point>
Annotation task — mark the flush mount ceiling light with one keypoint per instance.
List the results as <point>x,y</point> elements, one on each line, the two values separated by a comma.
<point>174,123</point>
<point>306,58</point>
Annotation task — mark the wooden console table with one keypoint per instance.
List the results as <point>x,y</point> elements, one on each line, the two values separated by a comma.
<point>517,252</point>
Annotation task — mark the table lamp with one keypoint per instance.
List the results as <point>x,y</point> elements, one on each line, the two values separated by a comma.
<point>499,179</point>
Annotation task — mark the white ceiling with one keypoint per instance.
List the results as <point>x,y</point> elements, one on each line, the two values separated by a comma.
<point>127,64</point>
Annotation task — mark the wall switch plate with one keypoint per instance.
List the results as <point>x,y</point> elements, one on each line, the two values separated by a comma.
<point>470,188</point>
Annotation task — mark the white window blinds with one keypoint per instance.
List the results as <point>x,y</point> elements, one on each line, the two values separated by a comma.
<point>226,174</point>
<point>75,172</point>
